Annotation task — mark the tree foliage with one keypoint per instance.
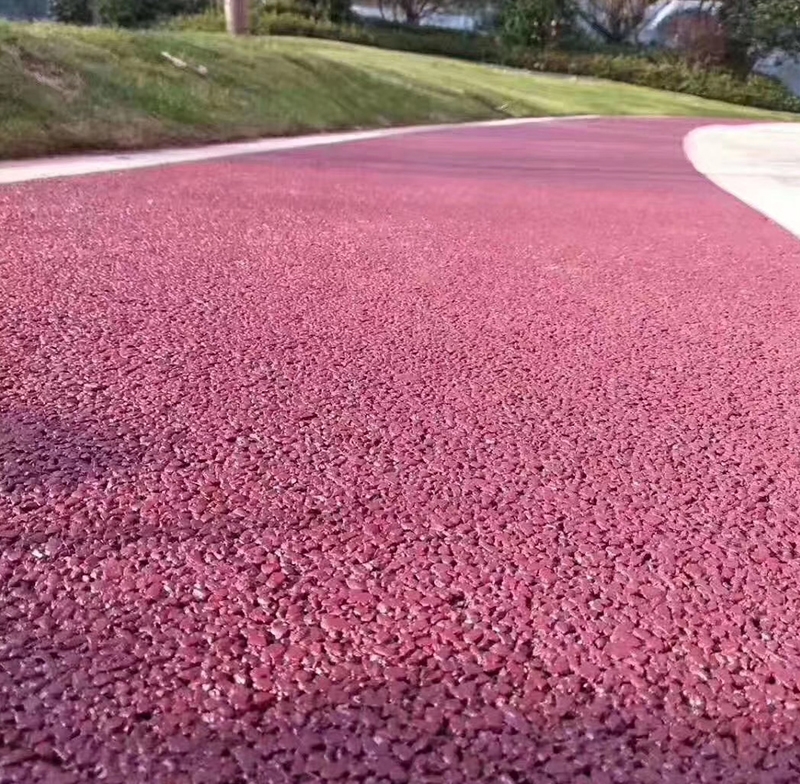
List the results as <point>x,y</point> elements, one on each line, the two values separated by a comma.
<point>755,27</point>
<point>123,13</point>
<point>743,30</point>
<point>533,23</point>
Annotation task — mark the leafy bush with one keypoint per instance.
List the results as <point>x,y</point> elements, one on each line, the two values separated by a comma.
<point>129,13</point>
<point>658,70</point>
<point>123,13</point>
<point>333,10</point>
<point>300,7</point>
<point>293,24</point>
<point>667,72</point>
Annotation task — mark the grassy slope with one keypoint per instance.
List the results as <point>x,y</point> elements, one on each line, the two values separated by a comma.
<point>67,88</point>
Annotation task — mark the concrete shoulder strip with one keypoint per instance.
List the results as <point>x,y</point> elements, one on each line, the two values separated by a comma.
<point>758,164</point>
<point>73,166</point>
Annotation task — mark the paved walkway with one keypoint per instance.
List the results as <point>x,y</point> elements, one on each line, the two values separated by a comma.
<point>456,457</point>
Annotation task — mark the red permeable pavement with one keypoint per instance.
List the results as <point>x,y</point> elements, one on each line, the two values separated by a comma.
<point>457,457</point>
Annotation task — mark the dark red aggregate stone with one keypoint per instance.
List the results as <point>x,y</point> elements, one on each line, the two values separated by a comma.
<point>457,457</point>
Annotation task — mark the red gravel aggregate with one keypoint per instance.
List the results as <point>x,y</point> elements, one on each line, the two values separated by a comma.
<point>458,457</point>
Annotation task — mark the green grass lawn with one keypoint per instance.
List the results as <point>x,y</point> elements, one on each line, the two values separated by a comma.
<point>65,88</point>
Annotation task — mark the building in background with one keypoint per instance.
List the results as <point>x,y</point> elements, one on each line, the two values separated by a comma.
<point>24,10</point>
<point>679,24</point>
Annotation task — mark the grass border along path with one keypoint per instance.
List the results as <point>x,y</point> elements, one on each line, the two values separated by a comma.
<point>66,89</point>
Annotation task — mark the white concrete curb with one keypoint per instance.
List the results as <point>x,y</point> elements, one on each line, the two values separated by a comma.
<point>73,166</point>
<point>758,164</point>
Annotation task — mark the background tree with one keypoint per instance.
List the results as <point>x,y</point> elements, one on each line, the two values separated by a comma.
<point>338,11</point>
<point>700,39</point>
<point>754,28</point>
<point>411,11</point>
<point>615,21</point>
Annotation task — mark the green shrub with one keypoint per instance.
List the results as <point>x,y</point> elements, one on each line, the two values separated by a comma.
<point>123,13</point>
<point>211,21</point>
<point>658,70</point>
<point>424,40</point>
<point>665,72</point>
<point>128,13</point>
<point>292,24</point>
<point>300,7</point>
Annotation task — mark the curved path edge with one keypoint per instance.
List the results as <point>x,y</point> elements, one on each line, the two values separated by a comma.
<point>758,164</point>
<point>77,165</point>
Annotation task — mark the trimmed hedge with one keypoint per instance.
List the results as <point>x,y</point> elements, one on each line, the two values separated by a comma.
<point>663,71</point>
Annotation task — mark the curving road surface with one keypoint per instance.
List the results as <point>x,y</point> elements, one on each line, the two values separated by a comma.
<point>468,456</point>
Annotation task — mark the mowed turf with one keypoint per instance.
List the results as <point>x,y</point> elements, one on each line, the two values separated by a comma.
<point>64,88</point>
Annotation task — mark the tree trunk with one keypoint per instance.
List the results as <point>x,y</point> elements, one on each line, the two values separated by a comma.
<point>237,17</point>
<point>739,58</point>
